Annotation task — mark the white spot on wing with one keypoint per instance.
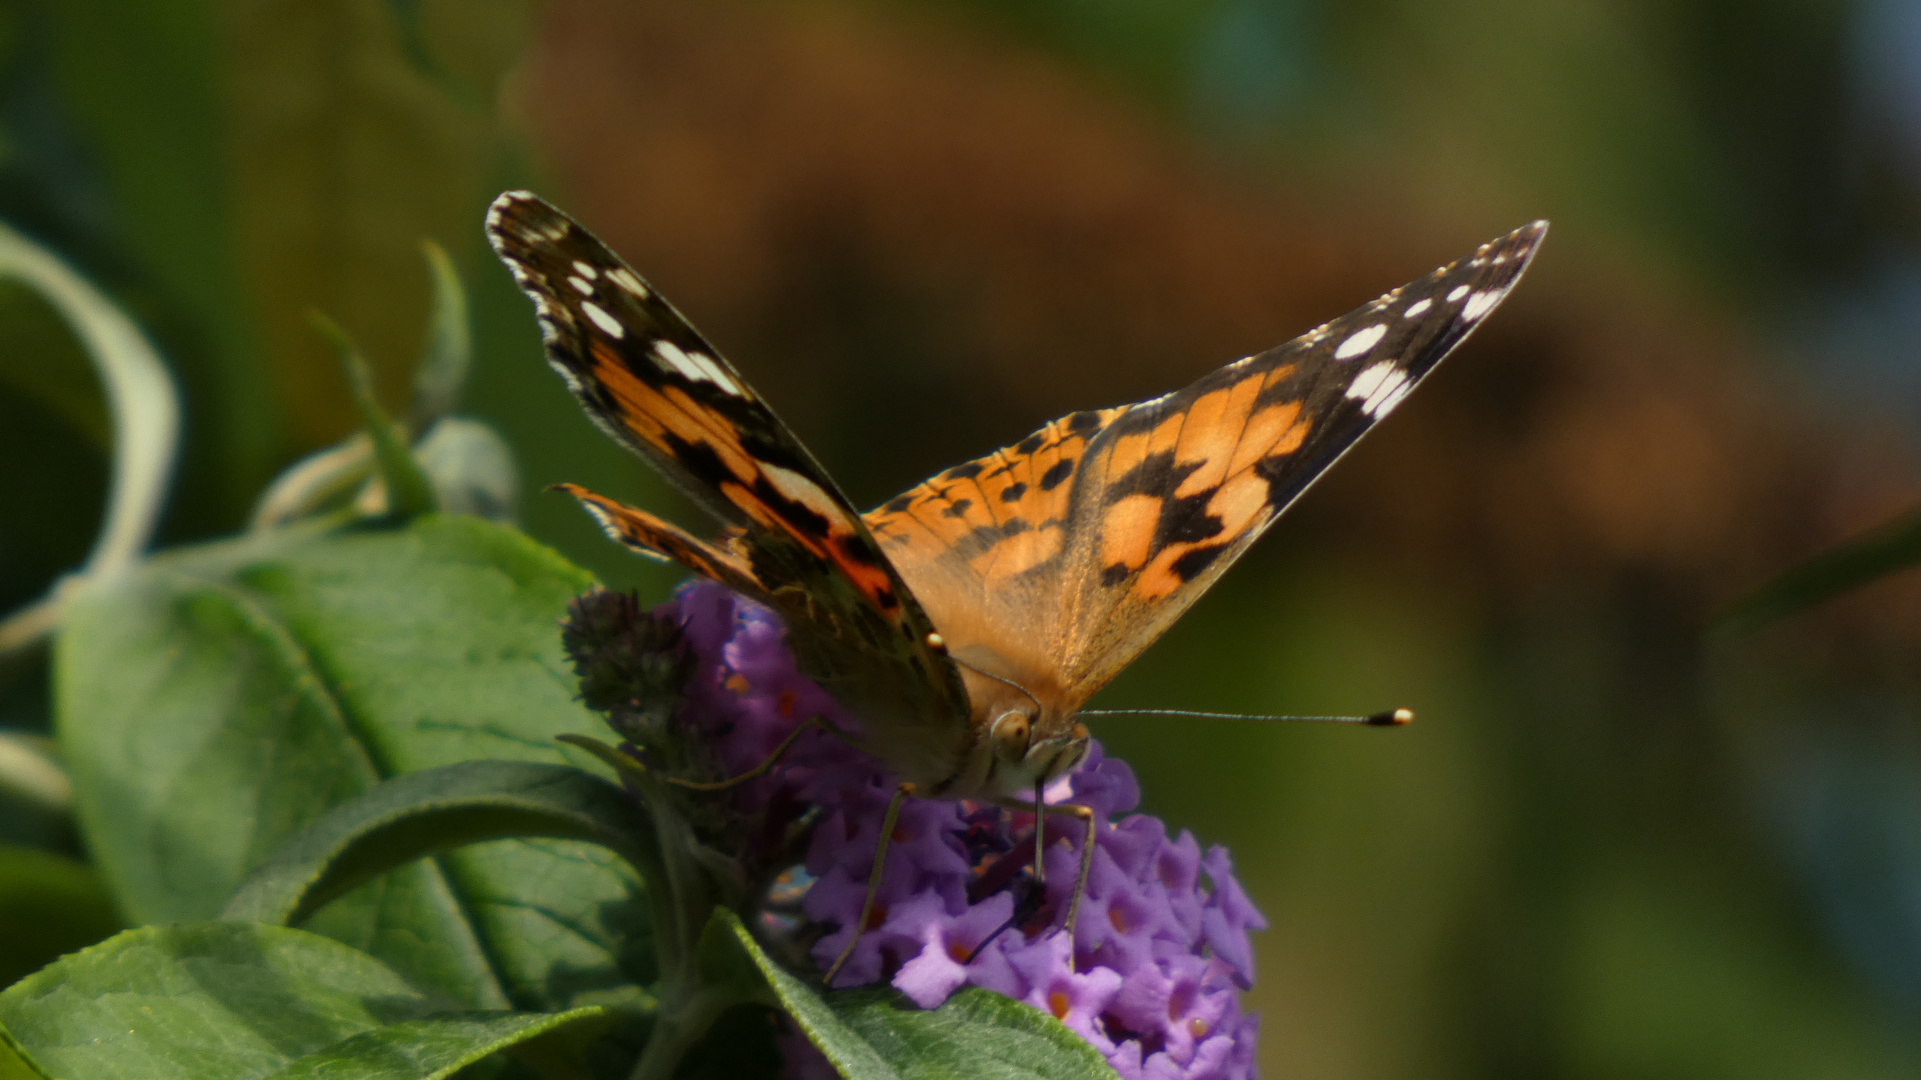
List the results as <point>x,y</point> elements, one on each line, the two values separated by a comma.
<point>607,323</point>
<point>695,367</point>
<point>1370,379</point>
<point>1456,293</point>
<point>581,286</point>
<point>714,373</point>
<point>625,278</point>
<point>1360,341</point>
<point>1414,310</point>
<point>1388,396</point>
<point>806,492</point>
<point>585,270</point>
<point>672,358</point>
<point>1478,304</point>
<point>1379,388</point>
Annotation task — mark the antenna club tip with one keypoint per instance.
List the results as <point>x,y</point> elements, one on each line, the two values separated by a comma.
<point>1392,718</point>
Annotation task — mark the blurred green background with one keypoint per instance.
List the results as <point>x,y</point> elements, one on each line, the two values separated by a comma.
<point>1613,845</point>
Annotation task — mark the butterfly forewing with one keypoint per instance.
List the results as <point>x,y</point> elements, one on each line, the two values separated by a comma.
<point>650,380</point>
<point>1175,489</point>
<point>1070,552</point>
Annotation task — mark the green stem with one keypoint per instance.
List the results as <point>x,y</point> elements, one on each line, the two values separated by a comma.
<point>683,895</point>
<point>677,1029</point>
<point>686,900</point>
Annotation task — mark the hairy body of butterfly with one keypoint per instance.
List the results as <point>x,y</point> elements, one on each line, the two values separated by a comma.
<point>966,621</point>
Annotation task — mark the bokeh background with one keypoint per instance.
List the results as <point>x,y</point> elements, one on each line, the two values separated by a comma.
<point>1616,844</point>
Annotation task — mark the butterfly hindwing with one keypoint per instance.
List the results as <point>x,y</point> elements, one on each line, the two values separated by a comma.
<point>1144,506</point>
<point>652,382</point>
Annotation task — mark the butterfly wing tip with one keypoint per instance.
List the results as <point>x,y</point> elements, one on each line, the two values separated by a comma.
<point>519,217</point>
<point>504,203</point>
<point>1529,236</point>
<point>570,489</point>
<point>1392,718</point>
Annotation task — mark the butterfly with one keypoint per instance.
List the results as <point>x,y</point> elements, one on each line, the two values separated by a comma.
<point>966,621</point>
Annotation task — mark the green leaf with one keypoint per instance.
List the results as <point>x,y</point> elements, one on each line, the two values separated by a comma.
<point>145,407</point>
<point>15,1062</point>
<point>728,953</point>
<point>444,363</point>
<point>1891,548</point>
<point>49,905</point>
<point>416,815</point>
<point>409,492</point>
<point>438,1046</point>
<point>876,1034</point>
<point>237,1000</point>
<point>976,1034</point>
<point>222,699</point>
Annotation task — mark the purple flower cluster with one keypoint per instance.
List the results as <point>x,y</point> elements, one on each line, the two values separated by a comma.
<point>1153,974</point>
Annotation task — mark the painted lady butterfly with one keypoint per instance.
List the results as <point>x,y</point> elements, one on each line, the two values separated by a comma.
<point>966,621</point>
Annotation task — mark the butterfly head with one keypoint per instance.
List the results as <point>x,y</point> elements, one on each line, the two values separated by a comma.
<point>1031,752</point>
<point>1020,740</point>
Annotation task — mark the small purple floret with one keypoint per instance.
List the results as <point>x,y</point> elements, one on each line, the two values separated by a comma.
<point>1160,954</point>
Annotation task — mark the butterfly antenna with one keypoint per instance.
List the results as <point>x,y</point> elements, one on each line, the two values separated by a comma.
<point>1390,718</point>
<point>1004,679</point>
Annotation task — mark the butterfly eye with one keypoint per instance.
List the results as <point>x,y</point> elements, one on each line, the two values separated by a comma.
<point>1011,733</point>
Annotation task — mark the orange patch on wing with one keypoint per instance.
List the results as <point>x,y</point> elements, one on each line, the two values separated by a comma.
<point>1292,438</point>
<point>633,396</point>
<point>1159,579</point>
<point>1167,434</point>
<point>1215,426</point>
<point>1019,553</point>
<point>997,478</point>
<point>758,512</point>
<point>1127,530</point>
<point>1126,452</point>
<point>872,581</point>
<point>639,529</point>
<point>952,510</point>
<point>694,422</point>
<point>651,414</point>
<point>1265,432</point>
<point>1238,502</point>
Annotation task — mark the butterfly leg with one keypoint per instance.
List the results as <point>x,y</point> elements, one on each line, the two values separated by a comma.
<point>1086,816</point>
<point>873,880</point>
<point>1027,905</point>
<point>812,722</point>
